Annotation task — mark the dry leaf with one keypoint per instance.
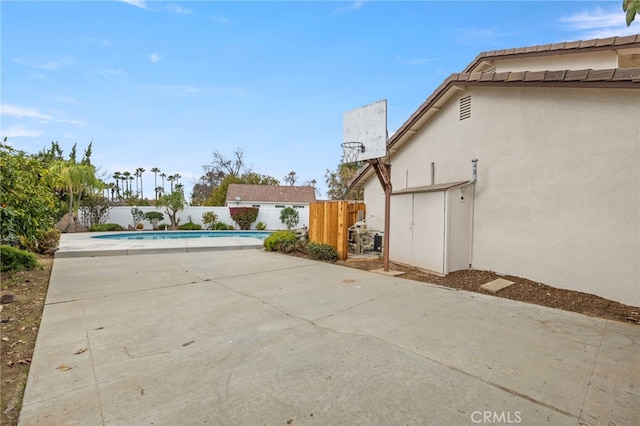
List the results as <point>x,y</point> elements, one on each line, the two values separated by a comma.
<point>10,363</point>
<point>5,339</point>
<point>64,368</point>
<point>80,351</point>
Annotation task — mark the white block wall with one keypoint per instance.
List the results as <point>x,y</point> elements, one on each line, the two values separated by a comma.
<point>269,215</point>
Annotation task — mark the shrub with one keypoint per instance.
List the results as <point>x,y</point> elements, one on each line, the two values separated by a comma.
<point>138,215</point>
<point>153,218</point>
<point>322,252</point>
<point>14,259</point>
<point>139,226</point>
<point>95,209</point>
<point>221,226</point>
<point>105,227</point>
<point>282,241</point>
<point>244,216</point>
<point>190,226</point>
<point>163,226</point>
<point>290,217</point>
<point>261,226</point>
<point>45,242</point>
<point>209,220</point>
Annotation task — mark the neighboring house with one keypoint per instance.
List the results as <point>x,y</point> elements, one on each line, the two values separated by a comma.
<point>243,195</point>
<point>556,132</point>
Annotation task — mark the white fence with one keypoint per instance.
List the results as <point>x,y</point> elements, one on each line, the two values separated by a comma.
<point>269,215</point>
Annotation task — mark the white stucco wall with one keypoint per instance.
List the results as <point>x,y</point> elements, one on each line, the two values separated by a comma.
<point>578,61</point>
<point>269,215</point>
<point>374,200</point>
<point>558,192</point>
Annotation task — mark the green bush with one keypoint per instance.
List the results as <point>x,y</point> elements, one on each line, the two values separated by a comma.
<point>282,241</point>
<point>261,226</point>
<point>244,216</point>
<point>14,259</point>
<point>290,217</point>
<point>189,226</point>
<point>209,219</point>
<point>45,242</point>
<point>221,226</point>
<point>163,226</point>
<point>322,252</point>
<point>105,227</point>
<point>153,218</point>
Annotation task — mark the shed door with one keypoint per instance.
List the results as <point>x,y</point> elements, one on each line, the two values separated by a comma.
<point>428,248</point>
<point>400,236</point>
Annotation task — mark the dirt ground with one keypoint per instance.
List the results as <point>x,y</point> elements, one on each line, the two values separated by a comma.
<point>19,324</point>
<point>523,290</point>
<point>20,319</point>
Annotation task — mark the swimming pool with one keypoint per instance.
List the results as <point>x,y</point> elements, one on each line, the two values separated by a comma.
<point>180,235</point>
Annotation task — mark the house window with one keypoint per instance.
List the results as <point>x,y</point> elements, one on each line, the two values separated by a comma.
<point>279,206</point>
<point>256,206</point>
<point>465,107</point>
<point>298,207</point>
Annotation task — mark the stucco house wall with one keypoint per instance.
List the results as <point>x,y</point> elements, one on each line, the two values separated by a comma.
<point>557,197</point>
<point>577,61</point>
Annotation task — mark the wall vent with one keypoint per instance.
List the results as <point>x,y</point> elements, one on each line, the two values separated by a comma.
<point>465,107</point>
<point>492,69</point>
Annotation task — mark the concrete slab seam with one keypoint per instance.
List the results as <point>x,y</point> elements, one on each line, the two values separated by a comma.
<point>593,369</point>
<point>503,388</point>
<point>93,367</point>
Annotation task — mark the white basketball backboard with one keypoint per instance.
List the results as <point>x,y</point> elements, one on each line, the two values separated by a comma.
<point>368,124</point>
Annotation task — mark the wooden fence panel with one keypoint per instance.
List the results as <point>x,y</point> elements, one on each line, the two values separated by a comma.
<point>329,223</point>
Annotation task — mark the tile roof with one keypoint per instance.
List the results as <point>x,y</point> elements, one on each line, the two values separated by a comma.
<point>558,48</point>
<point>271,193</point>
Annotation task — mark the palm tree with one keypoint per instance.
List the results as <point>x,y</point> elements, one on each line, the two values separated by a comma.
<point>155,172</point>
<point>171,178</point>
<point>74,178</point>
<point>177,176</point>
<point>163,175</point>
<point>139,172</point>
<point>117,176</point>
<point>127,191</point>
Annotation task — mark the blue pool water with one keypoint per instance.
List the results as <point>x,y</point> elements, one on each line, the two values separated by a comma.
<point>175,235</point>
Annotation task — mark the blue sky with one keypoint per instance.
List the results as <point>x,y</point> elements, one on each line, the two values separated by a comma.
<point>166,83</point>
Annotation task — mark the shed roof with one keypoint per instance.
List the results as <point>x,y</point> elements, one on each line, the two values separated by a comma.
<point>271,193</point>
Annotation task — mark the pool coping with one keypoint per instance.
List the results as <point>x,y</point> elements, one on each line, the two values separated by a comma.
<point>82,244</point>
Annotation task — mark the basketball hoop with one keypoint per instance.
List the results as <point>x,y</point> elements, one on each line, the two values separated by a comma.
<point>351,150</point>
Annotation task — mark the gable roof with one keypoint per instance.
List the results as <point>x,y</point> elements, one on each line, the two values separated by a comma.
<point>271,193</point>
<point>627,78</point>
<point>593,45</point>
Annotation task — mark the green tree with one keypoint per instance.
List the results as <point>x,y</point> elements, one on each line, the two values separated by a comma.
<point>155,171</point>
<point>338,182</point>
<point>291,178</point>
<point>74,178</point>
<point>27,201</point>
<point>173,203</point>
<point>632,8</point>
<point>290,217</point>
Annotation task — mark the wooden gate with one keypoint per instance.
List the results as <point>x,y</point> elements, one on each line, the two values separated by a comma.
<point>329,223</point>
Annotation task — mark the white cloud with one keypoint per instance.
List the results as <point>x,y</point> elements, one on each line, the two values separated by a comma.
<point>142,4</point>
<point>179,9</point>
<point>44,65</point>
<point>597,23</point>
<point>17,111</point>
<point>20,132</point>
<point>155,58</point>
<point>220,19</point>
<point>356,5</point>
